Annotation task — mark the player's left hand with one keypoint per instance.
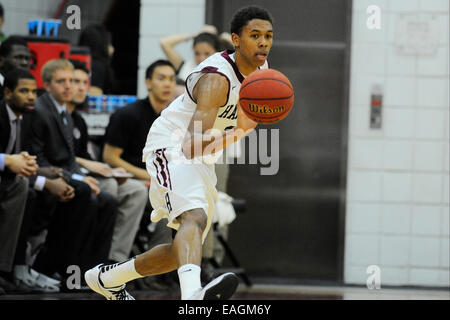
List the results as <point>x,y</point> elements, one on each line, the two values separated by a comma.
<point>244,122</point>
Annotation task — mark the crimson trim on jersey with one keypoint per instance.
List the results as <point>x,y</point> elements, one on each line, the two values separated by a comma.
<point>226,55</point>
<point>211,69</point>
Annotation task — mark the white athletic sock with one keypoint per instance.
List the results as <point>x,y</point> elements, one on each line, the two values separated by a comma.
<point>114,275</point>
<point>189,275</point>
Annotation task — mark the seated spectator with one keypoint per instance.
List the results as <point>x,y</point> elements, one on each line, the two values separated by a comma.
<point>131,194</point>
<point>20,96</point>
<point>99,40</point>
<point>128,127</point>
<point>126,135</point>
<point>14,53</point>
<point>76,235</point>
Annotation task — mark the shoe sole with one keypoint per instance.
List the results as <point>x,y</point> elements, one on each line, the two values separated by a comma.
<point>224,288</point>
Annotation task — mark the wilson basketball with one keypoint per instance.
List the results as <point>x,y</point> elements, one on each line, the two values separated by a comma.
<point>266,96</point>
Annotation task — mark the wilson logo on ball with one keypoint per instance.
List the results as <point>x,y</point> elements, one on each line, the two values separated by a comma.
<point>265,109</point>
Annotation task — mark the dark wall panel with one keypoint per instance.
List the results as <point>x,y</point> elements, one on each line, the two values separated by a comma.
<point>293,227</point>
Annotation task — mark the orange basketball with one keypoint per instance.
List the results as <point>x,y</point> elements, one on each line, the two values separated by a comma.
<point>266,96</point>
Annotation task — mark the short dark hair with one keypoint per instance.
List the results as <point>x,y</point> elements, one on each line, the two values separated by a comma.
<point>209,38</point>
<point>12,78</point>
<point>244,15</point>
<point>151,68</point>
<point>6,46</point>
<point>79,65</point>
<point>2,11</point>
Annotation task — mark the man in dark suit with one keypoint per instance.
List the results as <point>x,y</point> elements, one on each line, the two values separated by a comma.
<point>20,97</point>
<point>51,141</point>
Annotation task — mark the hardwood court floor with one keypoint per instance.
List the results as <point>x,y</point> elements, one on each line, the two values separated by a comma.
<point>268,292</point>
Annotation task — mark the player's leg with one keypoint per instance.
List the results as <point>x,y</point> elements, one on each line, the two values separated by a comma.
<point>183,253</point>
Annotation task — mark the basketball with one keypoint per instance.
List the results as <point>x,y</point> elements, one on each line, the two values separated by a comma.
<point>266,96</point>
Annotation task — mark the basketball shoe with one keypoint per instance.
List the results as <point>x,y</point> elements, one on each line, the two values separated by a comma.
<point>92,277</point>
<point>221,288</point>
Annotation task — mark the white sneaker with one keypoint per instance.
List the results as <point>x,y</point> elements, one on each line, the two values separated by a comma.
<point>25,275</point>
<point>221,288</point>
<point>92,277</point>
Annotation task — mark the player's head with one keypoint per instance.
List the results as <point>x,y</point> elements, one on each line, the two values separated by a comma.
<point>57,76</point>
<point>80,81</point>
<point>205,44</point>
<point>252,33</point>
<point>160,80</point>
<point>20,90</point>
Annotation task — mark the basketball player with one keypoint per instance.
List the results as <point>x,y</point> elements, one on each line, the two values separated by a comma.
<point>183,190</point>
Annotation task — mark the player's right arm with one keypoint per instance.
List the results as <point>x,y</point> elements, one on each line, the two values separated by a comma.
<point>211,93</point>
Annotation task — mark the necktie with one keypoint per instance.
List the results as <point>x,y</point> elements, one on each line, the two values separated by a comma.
<point>67,125</point>
<point>18,146</point>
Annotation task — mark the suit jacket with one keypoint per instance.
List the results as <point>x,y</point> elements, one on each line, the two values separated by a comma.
<point>46,138</point>
<point>7,175</point>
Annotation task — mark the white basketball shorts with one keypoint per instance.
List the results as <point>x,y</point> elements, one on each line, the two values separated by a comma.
<point>178,184</point>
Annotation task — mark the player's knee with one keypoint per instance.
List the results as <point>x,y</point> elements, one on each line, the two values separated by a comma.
<point>195,216</point>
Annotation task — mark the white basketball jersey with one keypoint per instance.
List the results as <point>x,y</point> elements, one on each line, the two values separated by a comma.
<point>170,128</point>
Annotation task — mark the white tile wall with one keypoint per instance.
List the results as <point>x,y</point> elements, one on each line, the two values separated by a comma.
<point>363,218</point>
<point>422,158</point>
<point>400,65</point>
<point>425,277</point>
<point>399,123</point>
<point>369,59</point>
<point>432,92</point>
<point>430,124</point>
<point>434,5</point>
<point>395,219</point>
<point>444,279</point>
<point>434,65</point>
<point>397,155</point>
<point>400,91</point>
<point>445,189</point>
<point>425,252</point>
<point>445,252</point>
<point>367,153</point>
<point>399,195</point>
<point>427,188</point>
<point>403,6</point>
<point>357,274</point>
<point>394,276</point>
<point>445,224</point>
<point>363,250</point>
<point>426,220</point>
<point>394,251</point>
<point>364,186</point>
<point>396,186</point>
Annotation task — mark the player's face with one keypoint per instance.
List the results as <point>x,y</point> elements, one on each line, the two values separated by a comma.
<point>60,87</point>
<point>162,83</point>
<point>254,42</point>
<point>23,98</point>
<point>80,86</point>
<point>203,50</point>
